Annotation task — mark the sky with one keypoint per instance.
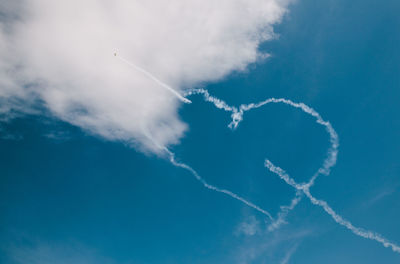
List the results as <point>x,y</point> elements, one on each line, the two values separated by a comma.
<point>92,150</point>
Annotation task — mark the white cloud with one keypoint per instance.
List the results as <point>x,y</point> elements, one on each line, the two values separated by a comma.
<point>61,53</point>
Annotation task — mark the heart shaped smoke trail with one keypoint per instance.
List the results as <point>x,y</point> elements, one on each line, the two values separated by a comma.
<point>301,189</point>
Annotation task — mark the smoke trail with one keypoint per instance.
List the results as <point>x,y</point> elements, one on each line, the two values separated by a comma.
<point>237,117</point>
<point>329,162</point>
<point>289,254</point>
<point>212,187</point>
<point>149,75</point>
<point>336,217</point>
<point>208,98</point>
<point>220,104</point>
<point>284,212</point>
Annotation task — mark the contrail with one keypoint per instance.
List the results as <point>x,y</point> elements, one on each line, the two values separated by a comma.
<point>149,75</point>
<point>285,209</point>
<point>171,157</point>
<point>331,158</point>
<point>336,217</point>
<point>214,188</point>
<point>329,162</point>
<point>207,97</point>
<point>237,117</point>
<point>303,188</point>
<point>289,254</point>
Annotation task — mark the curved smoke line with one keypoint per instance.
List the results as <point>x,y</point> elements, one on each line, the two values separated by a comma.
<point>303,188</point>
<point>237,117</point>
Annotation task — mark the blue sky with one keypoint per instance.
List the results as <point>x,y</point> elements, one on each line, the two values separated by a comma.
<point>70,196</point>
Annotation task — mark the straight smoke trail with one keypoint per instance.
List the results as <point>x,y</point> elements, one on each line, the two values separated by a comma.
<point>325,206</point>
<point>160,83</point>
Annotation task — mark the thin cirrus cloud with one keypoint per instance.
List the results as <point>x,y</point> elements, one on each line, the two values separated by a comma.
<point>61,54</point>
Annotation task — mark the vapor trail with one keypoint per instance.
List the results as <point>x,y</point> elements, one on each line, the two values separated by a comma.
<point>220,104</point>
<point>331,158</point>
<point>237,117</point>
<point>303,188</point>
<point>171,157</point>
<point>285,209</point>
<point>160,83</point>
<point>214,188</point>
<point>289,254</point>
<point>336,217</point>
<point>329,162</point>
